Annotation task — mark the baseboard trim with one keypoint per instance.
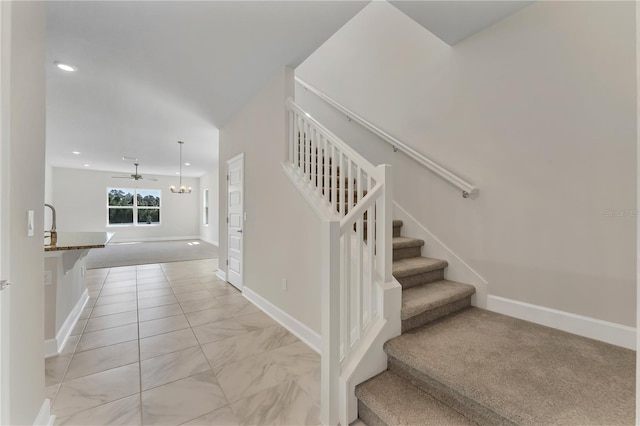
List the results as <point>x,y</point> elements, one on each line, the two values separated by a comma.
<point>53,347</point>
<point>609,332</point>
<point>300,330</point>
<point>222,275</point>
<point>44,417</point>
<point>154,239</point>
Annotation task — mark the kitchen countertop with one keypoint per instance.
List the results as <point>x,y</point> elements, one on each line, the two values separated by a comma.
<point>79,240</point>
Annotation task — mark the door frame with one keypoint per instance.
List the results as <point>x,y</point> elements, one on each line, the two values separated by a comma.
<point>239,285</point>
<point>5,133</point>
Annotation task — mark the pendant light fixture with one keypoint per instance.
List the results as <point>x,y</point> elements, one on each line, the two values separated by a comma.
<point>181,189</point>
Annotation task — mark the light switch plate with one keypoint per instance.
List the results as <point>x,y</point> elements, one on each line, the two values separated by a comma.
<point>30,224</point>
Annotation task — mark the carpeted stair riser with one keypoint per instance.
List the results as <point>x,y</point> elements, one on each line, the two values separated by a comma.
<point>435,314</point>
<point>369,417</point>
<point>460,403</point>
<point>390,400</point>
<point>406,252</point>
<point>420,279</point>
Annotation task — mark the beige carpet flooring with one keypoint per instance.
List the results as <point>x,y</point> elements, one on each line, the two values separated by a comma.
<point>142,253</point>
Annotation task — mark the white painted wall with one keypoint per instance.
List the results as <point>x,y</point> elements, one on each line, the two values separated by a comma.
<point>538,111</point>
<point>209,233</point>
<point>25,387</point>
<point>281,233</point>
<point>80,198</point>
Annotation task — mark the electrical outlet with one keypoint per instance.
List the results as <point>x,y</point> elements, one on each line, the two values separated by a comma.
<point>284,284</point>
<point>48,278</point>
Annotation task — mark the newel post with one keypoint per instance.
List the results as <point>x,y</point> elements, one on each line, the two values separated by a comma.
<point>330,312</point>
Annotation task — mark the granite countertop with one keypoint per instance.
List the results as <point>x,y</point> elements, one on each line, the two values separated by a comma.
<point>79,240</point>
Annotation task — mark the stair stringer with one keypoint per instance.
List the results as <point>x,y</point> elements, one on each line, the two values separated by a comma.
<point>370,358</point>
<point>458,269</point>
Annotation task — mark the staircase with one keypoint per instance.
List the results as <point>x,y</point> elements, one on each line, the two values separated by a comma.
<point>457,365</point>
<point>447,363</point>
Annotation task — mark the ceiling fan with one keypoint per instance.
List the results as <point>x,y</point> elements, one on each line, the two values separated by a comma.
<point>134,176</point>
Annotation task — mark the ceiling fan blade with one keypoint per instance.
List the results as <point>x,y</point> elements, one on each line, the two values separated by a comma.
<point>153,179</point>
<point>120,177</point>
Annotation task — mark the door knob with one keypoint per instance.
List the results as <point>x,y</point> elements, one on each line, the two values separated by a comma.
<point>239,230</point>
<point>4,284</point>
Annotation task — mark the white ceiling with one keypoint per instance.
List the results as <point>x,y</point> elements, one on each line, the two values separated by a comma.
<point>151,73</point>
<point>453,21</point>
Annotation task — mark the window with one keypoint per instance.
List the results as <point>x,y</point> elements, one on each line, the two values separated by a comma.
<point>205,209</point>
<point>127,206</point>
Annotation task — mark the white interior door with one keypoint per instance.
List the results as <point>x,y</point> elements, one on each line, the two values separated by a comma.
<point>235,218</point>
<point>5,31</point>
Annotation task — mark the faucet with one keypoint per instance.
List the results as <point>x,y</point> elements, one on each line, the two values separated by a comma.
<point>53,232</point>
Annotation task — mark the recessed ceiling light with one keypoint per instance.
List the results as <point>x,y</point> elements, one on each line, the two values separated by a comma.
<point>86,165</point>
<point>187,164</point>
<point>130,159</point>
<point>76,152</point>
<point>65,67</point>
<point>177,173</point>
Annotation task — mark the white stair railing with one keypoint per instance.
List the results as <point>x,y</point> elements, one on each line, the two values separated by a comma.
<point>354,197</point>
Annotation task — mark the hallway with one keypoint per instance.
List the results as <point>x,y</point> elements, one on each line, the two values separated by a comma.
<point>172,344</point>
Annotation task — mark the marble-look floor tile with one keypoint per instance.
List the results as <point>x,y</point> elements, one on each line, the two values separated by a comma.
<point>192,295</point>
<point>159,312</point>
<point>200,305</point>
<point>171,367</point>
<point>101,359</point>
<point>152,280</point>
<point>151,347</point>
<point>310,383</point>
<point>115,308</point>
<point>110,321</point>
<point>216,291</point>
<point>184,282</point>
<point>163,325</point>
<point>148,267</point>
<point>114,291</point>
<point>119,283</point>
<point>254,374</point>
<point>55,368</point>
<point>51,391</point>
<point>108,336</point>
<point>239,347</point>
<point>207,316</point>
<point>218,330</point>
<point>221,417</point>
<point>239,310</point>
<point>179,289</point>
<point>153,286</point>
<point>285,404</point>
<point>156,301</point>
<point>97,389</point>
<point>124,412</point>
<point>256,321</point>
<point>181,401</point>
<point>79,327</point>
<point>148,294</point>
<point>116,298</point>
<point>249,376</point>
<point>232,299</point>
<point>151,273</point>
<point>85,313</point>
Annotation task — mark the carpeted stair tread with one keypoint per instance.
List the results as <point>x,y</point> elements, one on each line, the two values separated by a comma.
<point>416,300</point>
<point>395,401</point>
<point>512,371</point>
<point>416,265</point>
<point>397,223</point>
<point>404,242</point>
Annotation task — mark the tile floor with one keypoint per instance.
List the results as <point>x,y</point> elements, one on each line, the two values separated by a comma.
<point>171,344</point>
